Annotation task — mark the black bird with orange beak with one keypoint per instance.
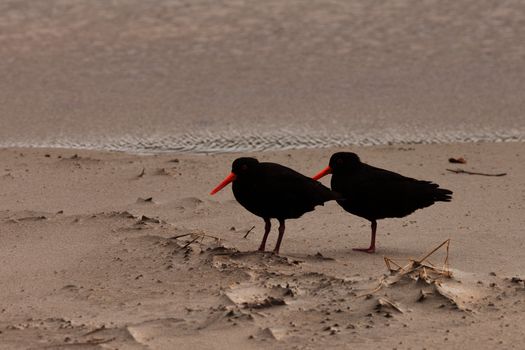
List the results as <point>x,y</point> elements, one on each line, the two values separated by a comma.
<point>373,193</point>
<point>273,191</point>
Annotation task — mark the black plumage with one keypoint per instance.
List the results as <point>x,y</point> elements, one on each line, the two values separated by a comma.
<point>374,193</point>
<point>273,191</point>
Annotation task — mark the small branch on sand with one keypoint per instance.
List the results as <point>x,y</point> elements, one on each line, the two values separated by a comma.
<point>461,171</point>
<point>439,281</point>
<point>180,236</point>
<point>382,302</point>
<point>447,242</point>
<point>98,329</point>
<point>195,236</point>
<point>142,173</point>
<point>389,261</point>
<point>190,242</point>
<point>415,269</point>
<point>247,233</point>
<point>96,341</point>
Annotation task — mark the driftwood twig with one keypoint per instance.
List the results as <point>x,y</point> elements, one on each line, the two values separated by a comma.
<point>415,269</point>
<point>195,236</point>
<point>190,242</point>
<point>447,242</point>
<point>461,171</point>
<point>247,233</point>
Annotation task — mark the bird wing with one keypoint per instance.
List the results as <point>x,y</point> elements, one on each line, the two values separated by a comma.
<point>278,179</point>
<point>389,194</point>
<point>290,191</point>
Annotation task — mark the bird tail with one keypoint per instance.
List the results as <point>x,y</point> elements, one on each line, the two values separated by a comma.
<point>442,195</point>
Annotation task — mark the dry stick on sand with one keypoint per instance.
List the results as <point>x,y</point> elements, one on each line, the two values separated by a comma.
<point>461,171</point>
<point>196,236</point>
<point>180,236</point>
<point>190,242</point>
<point>447,242</point>
<point>422,266</point>
<point>247,233</point>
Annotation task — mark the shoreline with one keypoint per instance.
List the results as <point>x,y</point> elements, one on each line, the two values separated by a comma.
<point>194,149</point>
<point>88,255</point>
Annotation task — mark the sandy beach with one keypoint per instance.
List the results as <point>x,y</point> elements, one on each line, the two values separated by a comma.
<point>90,259</point>
<point>118,118</point>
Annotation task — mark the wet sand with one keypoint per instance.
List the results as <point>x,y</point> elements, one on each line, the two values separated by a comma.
<point>88,257</point>
<point>251,75</point>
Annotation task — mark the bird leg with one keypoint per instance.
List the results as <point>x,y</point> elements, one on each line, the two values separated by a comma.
<point>267,227</point>
<point>280,238</point>
<point>372,247</point>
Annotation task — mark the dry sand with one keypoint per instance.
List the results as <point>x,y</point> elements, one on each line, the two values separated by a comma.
<point>87,261</point>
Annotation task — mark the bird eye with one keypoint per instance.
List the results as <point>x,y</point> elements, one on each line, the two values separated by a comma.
<point>244,167</point>
<point>339,161</point>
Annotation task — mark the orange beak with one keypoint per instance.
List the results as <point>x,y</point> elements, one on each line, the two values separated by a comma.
<point>223,184</point>
<point>322,173</point>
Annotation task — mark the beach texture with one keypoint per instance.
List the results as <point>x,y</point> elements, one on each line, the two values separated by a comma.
<point>116,119</point>
<point>103,250</point>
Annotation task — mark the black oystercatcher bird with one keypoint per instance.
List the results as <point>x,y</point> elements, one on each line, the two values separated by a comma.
<point>373,193</point>
<point>273,191</point>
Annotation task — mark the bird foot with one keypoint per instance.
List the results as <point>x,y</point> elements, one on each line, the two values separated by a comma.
<point>369,250</point>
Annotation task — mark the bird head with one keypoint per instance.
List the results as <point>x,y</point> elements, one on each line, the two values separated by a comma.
<point>240,167</point>
<point>340,162</point>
